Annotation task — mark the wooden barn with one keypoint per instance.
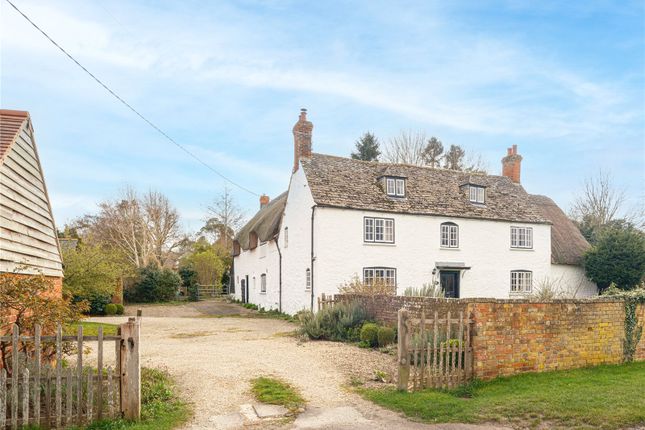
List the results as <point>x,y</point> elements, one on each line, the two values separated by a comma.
<point>28,240</point>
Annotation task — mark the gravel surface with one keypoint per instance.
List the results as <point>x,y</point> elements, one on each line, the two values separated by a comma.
<point>213,360</point>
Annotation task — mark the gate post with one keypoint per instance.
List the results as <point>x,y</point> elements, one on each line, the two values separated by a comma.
<point>130,367</point>
<point>403,352</point>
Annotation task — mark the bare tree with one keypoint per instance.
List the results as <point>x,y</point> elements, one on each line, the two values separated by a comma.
<point>433,152</point>
<point>406,148</point>
<point>600,201</point>
<point>226,218</point>
<point>161,220</point>
<point>474,162</point>
<point>144,229</point>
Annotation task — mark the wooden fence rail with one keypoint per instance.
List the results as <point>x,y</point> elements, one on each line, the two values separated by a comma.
<point>39,388</point>
<point>434,352</point>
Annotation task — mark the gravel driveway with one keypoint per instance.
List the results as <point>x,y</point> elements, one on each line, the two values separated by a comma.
<point>213,359</point>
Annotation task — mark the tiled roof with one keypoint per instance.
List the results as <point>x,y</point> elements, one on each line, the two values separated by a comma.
<point>347,183</point>
<point>11,122</point>
<point>265,223</point>
<point>567,243</point>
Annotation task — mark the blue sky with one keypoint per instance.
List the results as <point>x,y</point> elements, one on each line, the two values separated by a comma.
<point>565,81</point>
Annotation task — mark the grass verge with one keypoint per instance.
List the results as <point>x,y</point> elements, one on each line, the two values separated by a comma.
<point>603,397</point>
<point>276,392</point>
<point>161,409</point>
<point>90,328</point>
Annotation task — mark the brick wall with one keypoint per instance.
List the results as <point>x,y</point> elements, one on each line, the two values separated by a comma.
<point>385,308</point>
<point>516,336</point>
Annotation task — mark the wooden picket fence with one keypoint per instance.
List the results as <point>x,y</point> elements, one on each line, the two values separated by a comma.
<point>434,352</point>
<point>38,391</point>
<point>325,301</point>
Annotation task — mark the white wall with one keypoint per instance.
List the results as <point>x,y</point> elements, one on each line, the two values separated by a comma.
<point>483,245</point>
<point>251,263</point>
<point>297,254</point>
<point>571,281</point>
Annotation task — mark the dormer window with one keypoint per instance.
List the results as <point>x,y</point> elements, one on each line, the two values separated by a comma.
<point>395,187</point>
<point>477,194</point>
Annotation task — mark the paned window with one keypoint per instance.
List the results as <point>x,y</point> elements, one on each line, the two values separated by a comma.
<point>521,237</point>
<point>521,281</point>
<point>449,235</point>
<point>380,230</point>
<point>387,275</point>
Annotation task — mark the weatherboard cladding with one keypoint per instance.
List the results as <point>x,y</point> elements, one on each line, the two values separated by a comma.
<point>28,242</point>
<point>265,223</point>
<point>347,183</point>
<point>567,243</point>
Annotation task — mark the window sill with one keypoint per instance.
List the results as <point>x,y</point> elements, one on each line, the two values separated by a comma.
<point>521,249</point>
<point>263,293</point>
<point>379,243</point>
<point>445,248</point>
<point>518,294</point>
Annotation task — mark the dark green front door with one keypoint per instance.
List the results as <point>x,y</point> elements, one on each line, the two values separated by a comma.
<point>450,283</point>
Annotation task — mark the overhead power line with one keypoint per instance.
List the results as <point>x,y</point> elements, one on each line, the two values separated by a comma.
<point>129,106</point>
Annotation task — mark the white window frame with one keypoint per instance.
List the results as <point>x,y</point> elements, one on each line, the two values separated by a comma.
<point>286,237</point>
<point>395,187</point>
<point>308,279</point>
<point>449,235</point>
<point>263,283</point>
<point>378,230</point>
<point>388,274</point>
<point>521,281</point>
<point>521,237</point>
<point>477,194</point>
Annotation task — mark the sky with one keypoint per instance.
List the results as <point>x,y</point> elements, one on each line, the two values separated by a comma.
<point>565,81</point>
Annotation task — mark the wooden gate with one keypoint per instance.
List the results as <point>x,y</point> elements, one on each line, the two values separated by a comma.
<point>434,352</point>
<point>37,386</point>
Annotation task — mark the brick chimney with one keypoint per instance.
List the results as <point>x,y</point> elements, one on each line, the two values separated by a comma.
<point>264,200</point>
<point>512,165</point>
<point>301,138</point>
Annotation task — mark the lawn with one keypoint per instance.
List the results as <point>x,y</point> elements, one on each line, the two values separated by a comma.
<point>604,397</point>
<point>161,409</point>
<point>90,328</point>
<point>276,392</point>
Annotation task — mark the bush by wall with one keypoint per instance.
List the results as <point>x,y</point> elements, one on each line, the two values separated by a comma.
<point>369,334</point>
<point>153,285</point>
<point>120,309</point>
<point>110,309</point>
<point>341,322</point>
<point>385,336</point>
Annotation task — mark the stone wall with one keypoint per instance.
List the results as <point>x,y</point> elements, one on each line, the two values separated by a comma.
<point>516,336</point>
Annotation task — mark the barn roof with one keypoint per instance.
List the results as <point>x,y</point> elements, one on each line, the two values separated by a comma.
<point>11,122</point>
<point>28,239</point>
<point>265,223</point>
<point>567,243</point>
<point>347,183</point>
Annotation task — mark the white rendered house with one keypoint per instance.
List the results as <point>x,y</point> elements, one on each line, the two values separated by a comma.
<point>476,235</point>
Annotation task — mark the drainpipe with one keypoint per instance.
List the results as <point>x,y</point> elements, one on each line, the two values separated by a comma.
<point>313,258</point>
<point>279,275</point>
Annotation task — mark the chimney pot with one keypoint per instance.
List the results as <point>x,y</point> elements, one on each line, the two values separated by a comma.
<point>264,200</point>
<point>512,164</point>
<point>301,139</point>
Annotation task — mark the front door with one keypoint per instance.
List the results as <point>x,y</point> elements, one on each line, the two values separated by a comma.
<point>450,283</point>
<point>246,300</point>
<point>243,290</point>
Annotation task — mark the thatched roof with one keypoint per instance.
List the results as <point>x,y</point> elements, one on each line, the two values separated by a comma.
<point>265,223</point>
<point>347,183</point>
<point>567,243</point>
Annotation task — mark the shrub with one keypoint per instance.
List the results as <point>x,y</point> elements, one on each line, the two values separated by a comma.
<point>369,334</point>
<point>154,285</point>
<point>377,288</point>
<point>385,336</point>
<point>427,290</point>
<point>110,309</point>
<point>618,257</point>
<point>189,281</point>
<point>96,302</point>
<point>342,322</point>
<point>120,309</point>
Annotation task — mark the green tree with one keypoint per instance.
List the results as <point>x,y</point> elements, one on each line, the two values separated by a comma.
<point>454,158</point>
<point>367,148</point>
<point>154,285</point>
<point>433,152</point>
<point>92,273</point>
<point>208,261</point>
<point>618,256</point>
